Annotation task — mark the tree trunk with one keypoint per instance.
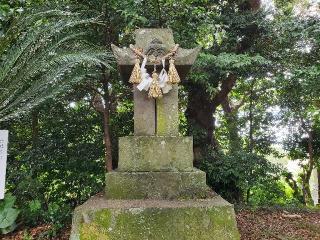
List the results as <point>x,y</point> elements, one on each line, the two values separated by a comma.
<point>199,114</point>
<point>318,173</point>
<point>110,35</point>
<point>251,123</point>
<point>250,5</point>
<point>231,116</point>
<point>248,195</point>
<point>255,5</point>
<point>306,178</point>
<point>106,122</point>
<point>307,198</point>
<point>107,141</point>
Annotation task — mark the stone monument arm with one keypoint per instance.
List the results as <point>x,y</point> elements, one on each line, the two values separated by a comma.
<point>187,56</point>
<point>124,56</point>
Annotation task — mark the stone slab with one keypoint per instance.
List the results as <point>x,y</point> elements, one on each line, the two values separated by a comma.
<point>100,219</point>
<point>144,113</point>
<point>168,113</point>
<point>156,185</point>
<point>147,153</point>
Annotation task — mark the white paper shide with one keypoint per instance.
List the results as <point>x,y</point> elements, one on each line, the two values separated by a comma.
<point>3,160</point>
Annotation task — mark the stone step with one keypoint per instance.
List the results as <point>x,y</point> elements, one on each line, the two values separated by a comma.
<point>156,185</point>
<point>155,153</point>
<point>208,219</point>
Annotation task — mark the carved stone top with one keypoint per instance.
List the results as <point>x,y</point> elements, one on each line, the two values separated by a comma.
<point>155,43</point>
<point>145,36</point>
<point>156,49</point>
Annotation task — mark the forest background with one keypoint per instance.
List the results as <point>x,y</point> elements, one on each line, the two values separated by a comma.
<point>252,101</point>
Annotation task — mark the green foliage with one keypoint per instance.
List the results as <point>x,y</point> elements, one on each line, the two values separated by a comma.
<point>56,159</point>
<point>50,53</point>
<point>60,168</point>
<point>8,214</point>
<point>234,175</point>
<point>32,212</point>
<point>27,236</point>
<point>10,9</point>
<point>210,70</point>
<point>298,94</point>
<point>272,193</point>
<point>55,214</point>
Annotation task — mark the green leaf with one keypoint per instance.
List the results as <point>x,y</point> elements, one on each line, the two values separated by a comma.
<point>7,217</point>
<point>8,202</point>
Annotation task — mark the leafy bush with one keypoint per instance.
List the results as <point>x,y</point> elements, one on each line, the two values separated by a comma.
<point>55,214</point>
<point>32,212</point>
<point>8,214</point>
<point>61,168</point>
<point>272,193</point>
<point>233,176</point>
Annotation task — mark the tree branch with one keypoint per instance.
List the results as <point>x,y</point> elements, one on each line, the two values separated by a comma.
<point>226,88</point>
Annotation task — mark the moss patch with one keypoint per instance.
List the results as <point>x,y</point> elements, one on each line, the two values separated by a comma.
<point>204,221</point>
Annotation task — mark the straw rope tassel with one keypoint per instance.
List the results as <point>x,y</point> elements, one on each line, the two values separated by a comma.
<point>155,90</point>
<point>173,73</point>
<point>135,77</point>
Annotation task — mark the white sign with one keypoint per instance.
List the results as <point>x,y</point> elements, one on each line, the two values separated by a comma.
<point>3,160</point>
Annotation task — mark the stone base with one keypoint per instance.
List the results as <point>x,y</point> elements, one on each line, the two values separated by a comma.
<point>155,153</point>
<point>100,219</point>
<point>157,185</point>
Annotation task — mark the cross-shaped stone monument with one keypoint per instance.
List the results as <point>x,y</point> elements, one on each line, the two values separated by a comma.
<point>156,145</point>
<point>156,193</point>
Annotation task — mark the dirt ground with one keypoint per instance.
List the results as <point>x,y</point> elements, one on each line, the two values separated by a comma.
<point>279,225</point>
<point>260,224</point>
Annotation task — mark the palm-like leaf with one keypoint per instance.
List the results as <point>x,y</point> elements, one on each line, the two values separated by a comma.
<point>49,52</point>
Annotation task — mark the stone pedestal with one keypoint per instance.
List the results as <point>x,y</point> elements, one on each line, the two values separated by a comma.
<point>155,194</point>
<point>209,219</point>
<point>157,185</point>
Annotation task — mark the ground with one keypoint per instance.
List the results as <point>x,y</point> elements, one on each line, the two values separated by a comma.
<point>279,225</point>
<point>262,224</point>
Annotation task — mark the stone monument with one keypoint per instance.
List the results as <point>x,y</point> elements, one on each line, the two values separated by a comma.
<point>155,193</point>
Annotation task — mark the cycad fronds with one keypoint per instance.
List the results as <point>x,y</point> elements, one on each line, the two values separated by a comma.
<point>50,52</point>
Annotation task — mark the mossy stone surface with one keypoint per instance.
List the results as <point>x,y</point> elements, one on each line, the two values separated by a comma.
<point>168,113</point>
<point>155,153</point>
<point>99,219</point>
<point>156,185</point>
<point>144,113</point>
